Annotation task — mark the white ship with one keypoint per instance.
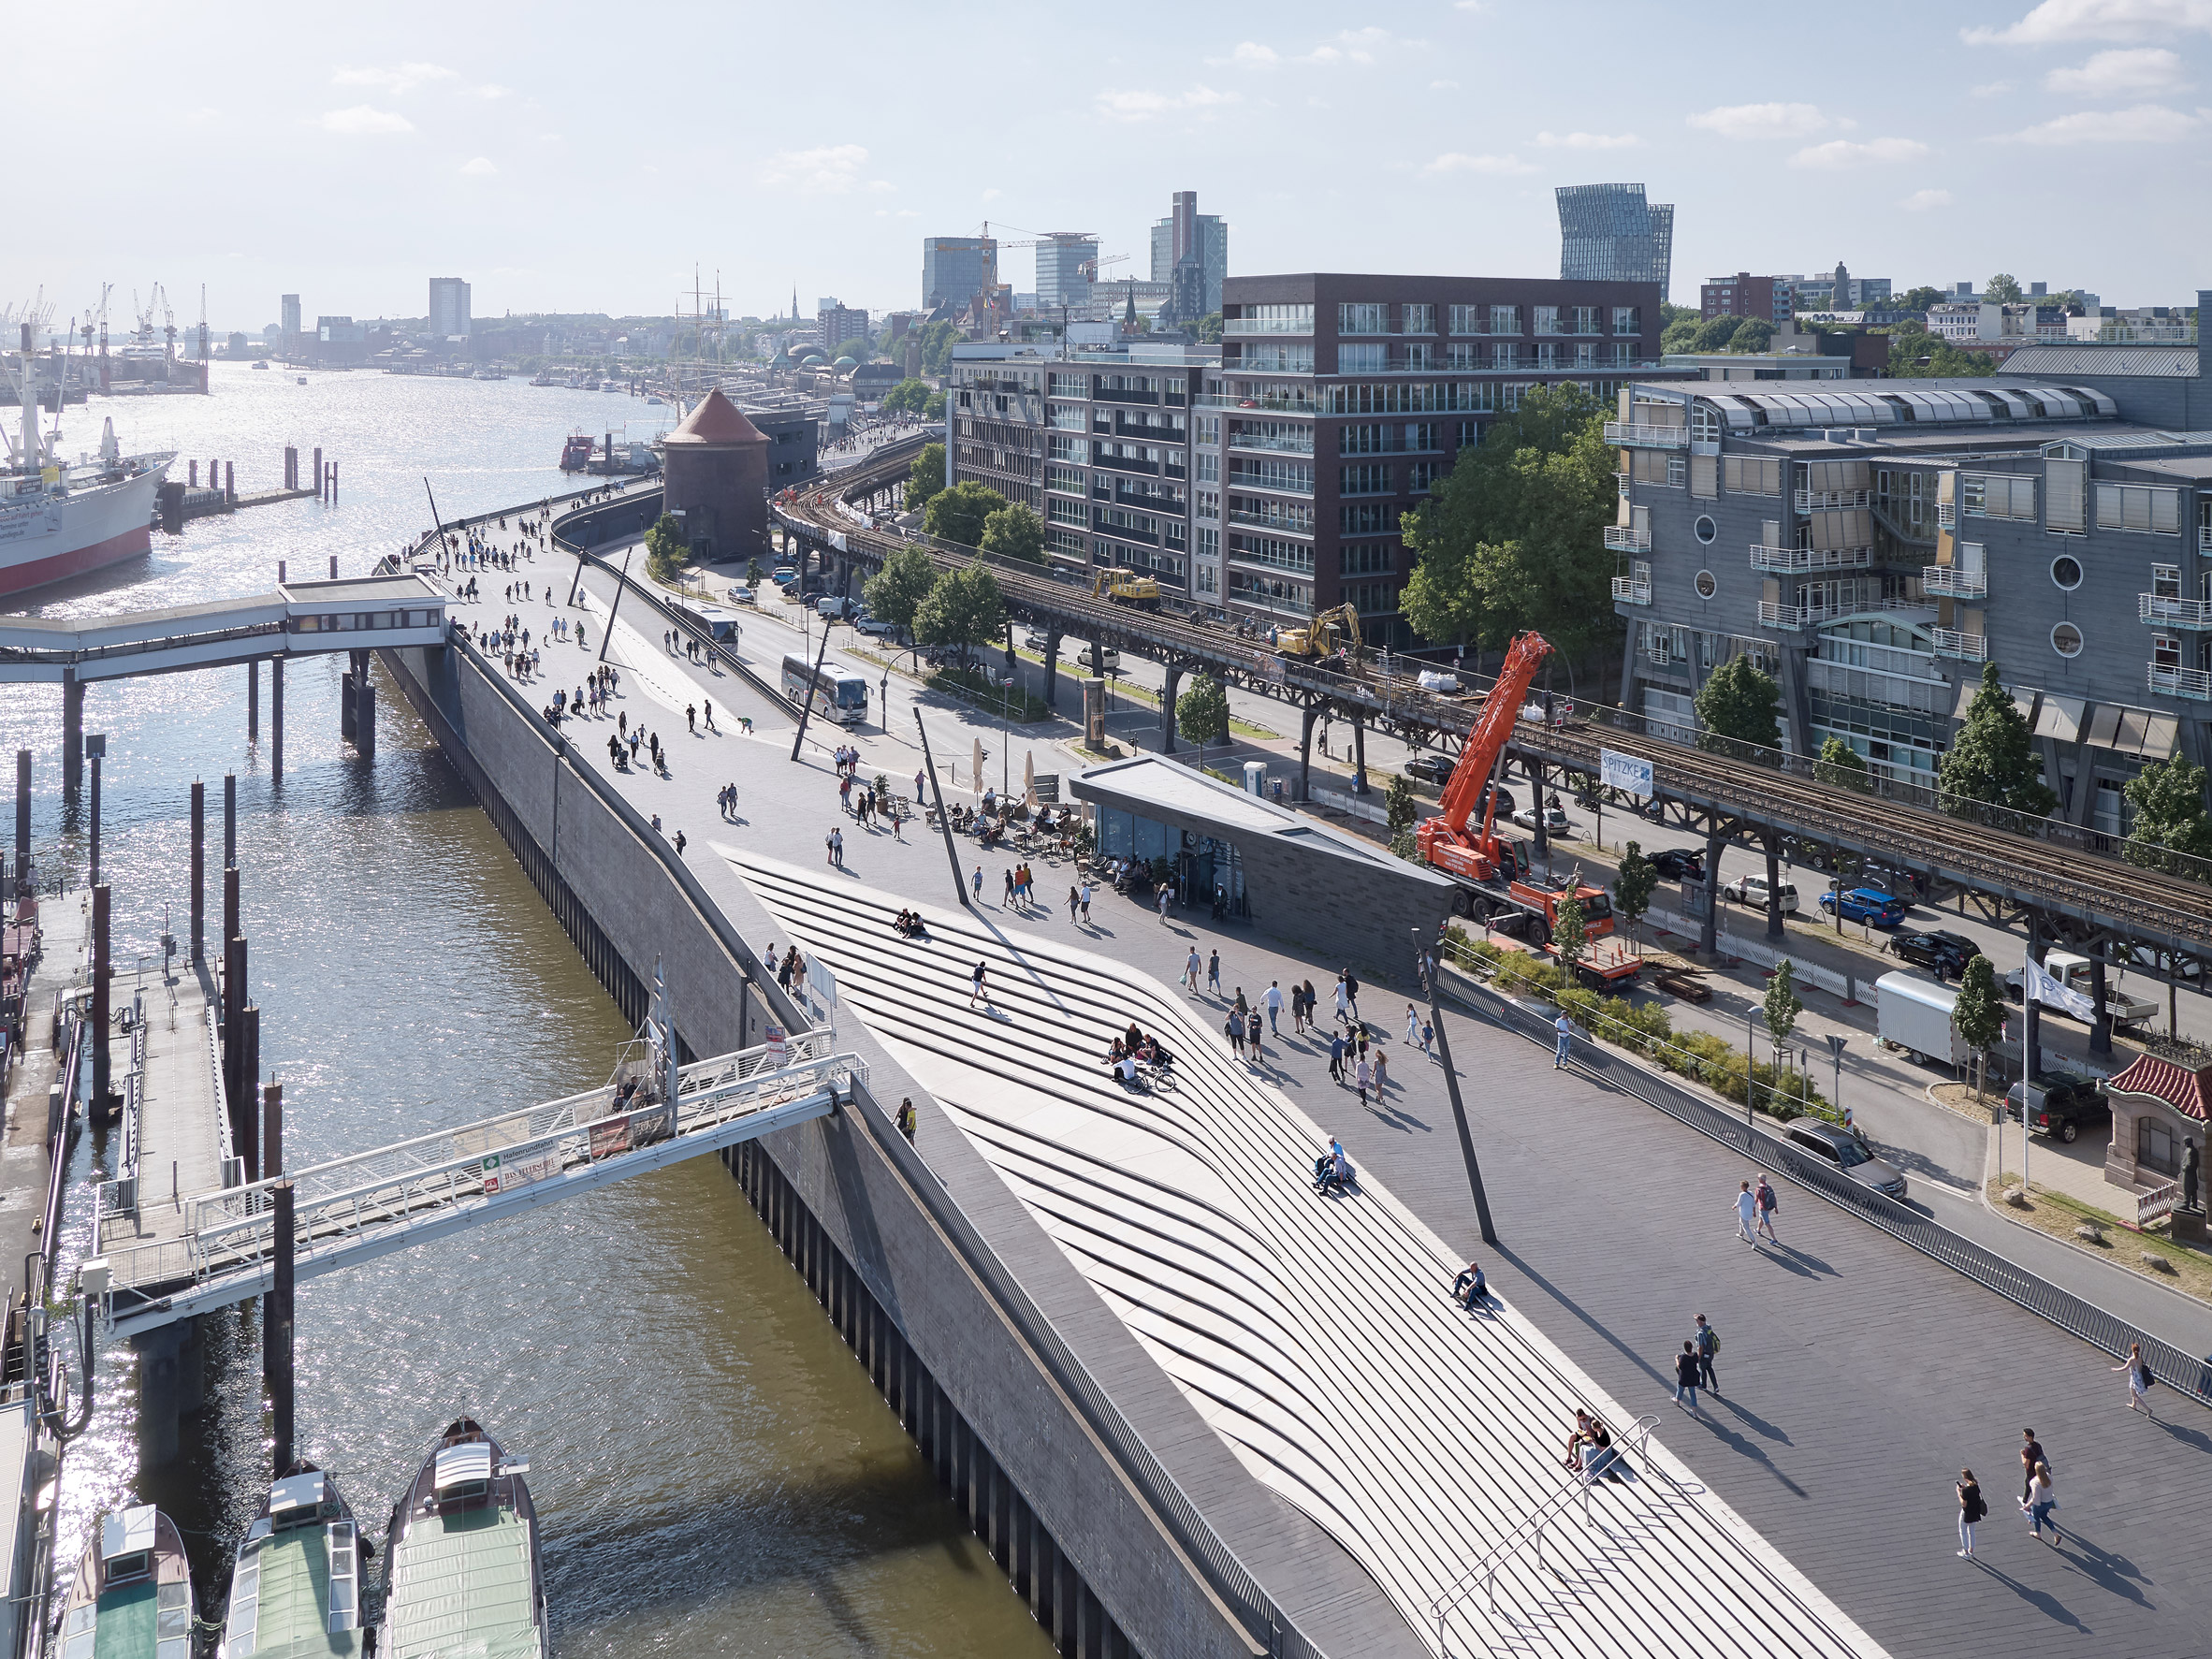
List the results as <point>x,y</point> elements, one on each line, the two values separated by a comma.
<point>59,518</point>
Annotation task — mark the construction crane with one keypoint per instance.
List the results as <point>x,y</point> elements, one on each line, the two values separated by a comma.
<point>1444,840</point>
<point>169,318</point>
<point>1089,268</point>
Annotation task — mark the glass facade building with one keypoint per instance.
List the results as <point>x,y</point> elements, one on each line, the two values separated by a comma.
<point>1608,232</point>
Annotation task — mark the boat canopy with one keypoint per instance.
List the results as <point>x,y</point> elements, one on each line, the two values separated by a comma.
<point>128,1532</point>
<point>461,1466</point>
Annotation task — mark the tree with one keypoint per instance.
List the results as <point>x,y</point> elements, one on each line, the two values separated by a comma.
<point>1015,531</point>
<point>1513,537</point>
<point>1779,1010</point>
<point>1737,710</point>
<point>936,340</point>
<point>2002,289</point>
<point>2169,801</point>
<point>1919,299</point>
<point>1570,940</point>
<point>962,609</point>
<point>1209,328</point>
<point>1202,713</point>
<point>925,477</point>
<point>935,408</point>
<point>855,349</point>
<point>1680,334</point>
<point>1633,886</point>
<point>1399,808</point>
<point>1993,758</point>
<point>666,549</point>
<point>1754,334</point>
<point>1840,765</point>
<point>957,515</point>
<point>1671,314</point>
<point>908,396</point>
<point>1979,1014</point>
<point>1914,353</point>
<point>1714,333</point>
<point>895,592</point>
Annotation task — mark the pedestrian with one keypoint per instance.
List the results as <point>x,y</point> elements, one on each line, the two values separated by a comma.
<point>1213,972</point>
<point>1342,1001</point>
<point>1382,1070</point>
<point>1746,1207</point>
<point>1072,901</point>
<point>829,849</point>
<point>2042,1497</point>
<point>1252,1033</point>
<point>1233,1029</point>
<point>1313,1002</point>
<point>977,990</point>
<point>1086,904</point>
<point>1971,1509</point>
<point>1336,1056</point>
<point>706,707</point>
<point>1564,1031</point>
<point>692,717</point>
<point>838,839</point>
<point>2140,1380</point>
<point>1765,1194</point>
<point>1273,996</point>
<point>2031,1454</point>
<point>1359,1075</point>
<point>1428,1036</point>
<point>1709,1345</point>
<point>1413,1025</point>
<point>978,882</point>
<point>906,1118</point>
<point>1351,991</point>
<point>1190,970</point>
<point>1163,904</point>
<point>679,843</point>
<point>1685,1376</point>
<point>1009,899</point>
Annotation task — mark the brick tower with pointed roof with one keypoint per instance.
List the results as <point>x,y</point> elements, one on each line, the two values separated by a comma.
<point>717,481</point>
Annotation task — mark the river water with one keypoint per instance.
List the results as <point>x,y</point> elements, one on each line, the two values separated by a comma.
<point>713,1473</point>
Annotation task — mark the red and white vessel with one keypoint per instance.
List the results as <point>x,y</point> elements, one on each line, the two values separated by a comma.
<point>60,519</point>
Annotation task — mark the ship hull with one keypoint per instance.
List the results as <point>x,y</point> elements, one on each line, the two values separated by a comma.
<point>49,541</point>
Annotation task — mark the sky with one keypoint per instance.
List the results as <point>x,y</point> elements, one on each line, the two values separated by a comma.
<point>566,158</point>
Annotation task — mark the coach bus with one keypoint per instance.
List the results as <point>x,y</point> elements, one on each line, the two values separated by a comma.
<point>837,693</point>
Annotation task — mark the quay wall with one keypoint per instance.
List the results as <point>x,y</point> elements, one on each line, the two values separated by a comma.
<point>1110,1562</point>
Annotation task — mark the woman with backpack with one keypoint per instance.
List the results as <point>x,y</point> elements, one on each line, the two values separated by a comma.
<point>2140,1380</point>
<point>1971,1509</point>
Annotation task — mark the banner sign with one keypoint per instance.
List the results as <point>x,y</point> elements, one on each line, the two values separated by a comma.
<point>507,1175</point>
<point>1629,774</point>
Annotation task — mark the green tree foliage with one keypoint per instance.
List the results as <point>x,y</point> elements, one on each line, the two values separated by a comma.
<point>1400,808</point>
<point>1919,299</point>
<point>855,349</point>
<point>1782,1005</point>
<point>1993,758</point>
<point>1680,335</point>
<point>1671,314</point>
<point>2169,801</point>
<point>1754,334</point>
<point>1202,713</point>
<point>666,549</point>
<point>908,396</point>
<point>895,592</point>
<point>1570,940</point>
<point>925,477</point>
<point>1634,884</point>
<point>935,408</point>
<point>1714,333</point>
<point>957,515</point>
<point>1015,531</point>
<point>2002,289</point>
<point>1209,328</point>
<point>1738,709</point>
<point>1513,537</point>
<point>938,339</point>
<point>1840,765</point>
<point>962,610</point>
<point>1979,1013</point>
<point>1914,353</point>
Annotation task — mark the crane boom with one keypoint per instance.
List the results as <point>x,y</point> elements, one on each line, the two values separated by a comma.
<point>1444,840</point>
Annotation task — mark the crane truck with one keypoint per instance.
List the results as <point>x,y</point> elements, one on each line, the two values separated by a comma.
<point>1491,872</point>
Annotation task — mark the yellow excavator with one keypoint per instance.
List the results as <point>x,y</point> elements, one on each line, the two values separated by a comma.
<point>1326,634</point>
<point>1122,585</point>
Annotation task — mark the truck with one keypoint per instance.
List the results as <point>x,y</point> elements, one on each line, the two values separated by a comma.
<point>1479,857</point>
<point>1915,1014</point>
<point>2077,973</point>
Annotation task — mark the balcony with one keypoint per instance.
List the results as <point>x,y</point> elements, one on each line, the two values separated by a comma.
<point>1963,647</point>
<point>1276,482</point>
<point>1946,516</point>
<point>1303,408</point>
<point>1628,591</point>
<point>1298,444</point>
<point>2193,613</point>
<point>1119,463</point>
<point>1287,527</point>
<point>1821,500</point>
<point>1291,325</point>
<point>1947,581</point>
<point>1626,538</point>
<point>1635,434</point>
<point>2204,540</point>
<point>2194,683</point>
<point>1806,559</point>
<point>1104,396</point>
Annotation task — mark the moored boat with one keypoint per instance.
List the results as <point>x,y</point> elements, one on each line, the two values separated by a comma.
<point>576,455</point>
<point>296,1584</point>
<point>461,1568</point>
<point>132,1598</point>
<point>60,519</point>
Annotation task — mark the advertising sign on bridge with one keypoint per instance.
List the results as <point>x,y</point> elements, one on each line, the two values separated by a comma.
<point>1629,773</point>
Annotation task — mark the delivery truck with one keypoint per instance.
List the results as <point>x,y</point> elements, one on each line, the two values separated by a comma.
<point>1915,1014</point>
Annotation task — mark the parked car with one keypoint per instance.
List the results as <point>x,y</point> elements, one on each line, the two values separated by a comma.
<point>1034,639</point>
<point>877,628</point>
<point>1436,768</point>
<point>1864,904</point>
<point>1555,820</point>
<point>784,576</point>
<point>1832,1143</point>
<point>742,595</point>
<point>2060,1103</point>
<point>1679,864</point>
<point>1751,891</point>
<point>1943,952</point>
<point>837,607</point>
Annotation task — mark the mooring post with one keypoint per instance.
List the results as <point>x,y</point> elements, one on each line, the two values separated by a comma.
<point>346,702</point>
<point>254,701</point>
<point>23,815</point>
<point>72,730</point>
<point>276,719</point>
<point>276,1329</point>
<point>234,1011</point>
<point>93,838</point>
<point>100,979</point>
<point>318,470</point>
<point>272,1129</point>
<point>365,715</point>
<point>245,1122</point>
<point>229,825</point>
<point>229,901</point>
<point>199,870</point>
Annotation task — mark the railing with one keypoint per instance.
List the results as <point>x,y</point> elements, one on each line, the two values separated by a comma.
<point>1965,648</point>
<point>1627,590</point>
<point>1626,538</point>
<point>1260,521</point>
<point>2204,538</point>
<point>1949,581</point>
<point>1302,444</point>
<point>1267,325</point>
<point>1304,408</point>
<point>1805,559</point>
<point>1818,501</point>
<point>1635,434</point>
<point>1946,516</point>
<point>1280,486</point>
<point>2195,683</point>
<point>2175,613</point>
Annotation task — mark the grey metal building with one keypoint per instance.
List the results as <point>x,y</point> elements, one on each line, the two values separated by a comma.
<point>954,269</point>
<point>1608,232</point>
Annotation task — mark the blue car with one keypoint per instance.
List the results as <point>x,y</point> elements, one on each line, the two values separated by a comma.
<point>1866,904</point>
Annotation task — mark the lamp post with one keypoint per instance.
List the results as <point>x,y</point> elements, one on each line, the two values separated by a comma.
<point>1006,738</point>
<point>1836,1045</point>
<point>1750,1079</point>
<point>1451,1085</point>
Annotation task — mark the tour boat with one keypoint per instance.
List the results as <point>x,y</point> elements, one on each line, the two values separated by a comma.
<point>132,1598</point>
<point>296,1584</point>
<point>462,1574</point>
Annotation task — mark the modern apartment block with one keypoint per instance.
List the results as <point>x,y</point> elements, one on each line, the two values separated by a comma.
<point>449,307</point>
<point>1872,544</point>
<point>288,318</point>
<point>1744,295</point>
<point>1190,257</point>
<point>1341,399</point>
<point>839,322</point>
<point>1067,265</point>
<point>955,269</point>
<point>1097,441</point>
<point>1608,232</point>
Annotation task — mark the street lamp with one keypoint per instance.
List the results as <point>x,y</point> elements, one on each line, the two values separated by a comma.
<point>1005,737</point>
<point>1836,1042</point>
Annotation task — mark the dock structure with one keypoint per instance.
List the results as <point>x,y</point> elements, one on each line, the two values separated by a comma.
<point>176,1131</point>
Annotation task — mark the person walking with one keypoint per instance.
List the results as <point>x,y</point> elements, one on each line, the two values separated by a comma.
<point>1213,972</point>
<point>1562,1031</point>
<point>978,991</point>
<point>979,883</point>
<point>1008,900</point>
<point>1971,1509</point>
<point>1382,1072</point>
<point>1343,1000</point>
<point>837,838</point>
<point>2031,1454</point>
<point>1072,902</point>
<point>2042,1497</point>
<point>1273,996</point>
<point>829,849</point>
<point>1233,1027</point>
<point>906,1118</point>
<point>692,717</point>
<point>1190,972</point>
<point>1765,1194</point>
<point>1746,1207</point>
<point>1164,896</point>
<point>1685,1376</point>
<point>1336,1057</point>
<point>2140,1380</point>
<point>1709,1345</point>
<point>1361,1078</point>
<point>1413,1025</point>
<point>1351,992</point>
<point>679,843</point>
<point>1086,904</point>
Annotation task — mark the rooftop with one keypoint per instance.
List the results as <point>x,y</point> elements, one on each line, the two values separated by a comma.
<point>462,1582</point>
<point>715,420</point>
<point>2081,356</point>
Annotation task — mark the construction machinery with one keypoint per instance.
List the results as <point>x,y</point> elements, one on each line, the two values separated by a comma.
<point>1122,585</point>
<point>1329,632</point>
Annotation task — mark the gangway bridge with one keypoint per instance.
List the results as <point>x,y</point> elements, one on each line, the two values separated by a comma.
<point>355,1209</point>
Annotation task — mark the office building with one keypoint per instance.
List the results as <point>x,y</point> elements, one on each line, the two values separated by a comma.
<point>1067,265</point>
<point>1744,295</point>
<point>288,318</point>
<point>838,322</point>
<point>1608,232</point>
<point>955,269</point>
<point>449,307</point>
<point>1189,258</point>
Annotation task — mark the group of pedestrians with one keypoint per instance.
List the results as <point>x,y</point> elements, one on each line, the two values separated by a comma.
<point>1020,887</point>
<point>1756,1208</point>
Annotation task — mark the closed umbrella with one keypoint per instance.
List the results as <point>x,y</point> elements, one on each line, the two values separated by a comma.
<point>975,777</point>
<point>1030,779</point>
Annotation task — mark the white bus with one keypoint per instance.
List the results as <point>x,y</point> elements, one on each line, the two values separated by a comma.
<point>837,693</point>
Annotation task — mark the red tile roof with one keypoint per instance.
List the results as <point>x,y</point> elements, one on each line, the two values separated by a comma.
<point>2186,1091</point>
<point>715,420</point>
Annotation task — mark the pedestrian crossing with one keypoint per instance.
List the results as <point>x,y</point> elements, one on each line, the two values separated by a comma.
<point>1316,1335</point>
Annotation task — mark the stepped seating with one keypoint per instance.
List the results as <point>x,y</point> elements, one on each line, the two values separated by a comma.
<point>1314,1333</point>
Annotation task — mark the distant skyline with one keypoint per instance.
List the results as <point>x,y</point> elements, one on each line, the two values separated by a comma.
<point>576,164</point>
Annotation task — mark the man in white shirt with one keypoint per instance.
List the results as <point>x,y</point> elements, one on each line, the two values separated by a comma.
<point>1273,998</point>
<point>1565,1028</point>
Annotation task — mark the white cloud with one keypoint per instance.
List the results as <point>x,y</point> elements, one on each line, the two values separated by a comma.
<point>204,115</point>
<point>2145,123</point>
<point>2056,20</point>
<point>1456,162</point>
<point>493,90</point>
<point>1926,202</point>
<point>1764,121</point>
<point>1990,89</point>
<point>479,168</point>
<point>1149,106</point>
<point>2110,74</point>
<point>1846,153</point>
<point>906,213</point>
<point>1444,86</point>
<point>362,119</point>
<point>1589,140</point>
<point>829,170</point>
<point>1252,55</point>
<point>404,79</point>
<point>881,186</point>
<point>993,194</point>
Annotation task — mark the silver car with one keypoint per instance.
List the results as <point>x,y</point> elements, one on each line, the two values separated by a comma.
<point>1832,1143</point>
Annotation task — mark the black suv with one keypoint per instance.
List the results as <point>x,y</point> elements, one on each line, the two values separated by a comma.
<point>1947,953</point>
<point>1435,768</point>
<point>1679,864</point>
<point>2063,1102</point>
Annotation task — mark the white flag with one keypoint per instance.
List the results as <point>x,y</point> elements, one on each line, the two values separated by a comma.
<point>2042,988</point>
